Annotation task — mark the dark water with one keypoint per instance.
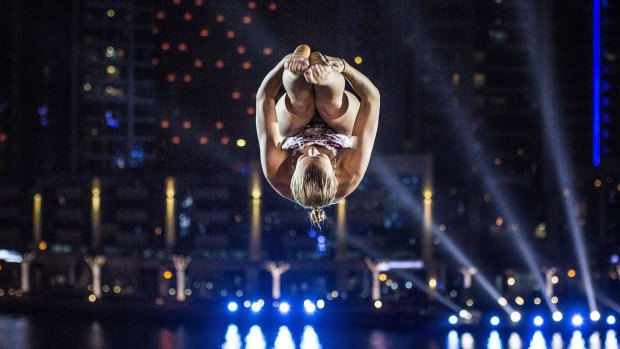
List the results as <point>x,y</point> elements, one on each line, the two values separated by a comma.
<point>19,331</point>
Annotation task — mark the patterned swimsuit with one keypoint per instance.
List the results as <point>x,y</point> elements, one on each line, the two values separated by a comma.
<point>317,132</point>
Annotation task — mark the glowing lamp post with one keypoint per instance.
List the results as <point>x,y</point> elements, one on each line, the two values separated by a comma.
<point>180,265</point>
<point>25,271</point>
<point>276,271</point>
<point>95,265</point>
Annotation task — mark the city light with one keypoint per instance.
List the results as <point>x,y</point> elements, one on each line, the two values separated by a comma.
<point>538,320</point>
<point>309,306</point>
<point>557,316</point>
<point>233,306</point>
<point>494,320</point>
<point>595,316</point>
<point>577,320</point>
<point>284,308</point>
<point>515,316</point>
<point>453,319</point>
<point>611,320</point>
<point>256,307</point>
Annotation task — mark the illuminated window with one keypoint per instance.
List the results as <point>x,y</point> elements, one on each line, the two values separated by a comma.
<point>247,19</point>
<point>267,51</point>
<point>219,125</point>
<point>187,16</point>
<point>251,111</point>
<point>220,18</point>
<point>235,95</point>
<point>251,5</point>
<point>198,63</point>
<point>479,80</point>
<point>165,46</point>
<point>187,78</point>
<point>219,64</point>
<point>171,77</point>
<point>203,140</point>
<point>204,32</point>
<point>165,123</point>
<point>182,47</point>
<point>240,50</point>
<point>246,65</point>
<point>230,34</point>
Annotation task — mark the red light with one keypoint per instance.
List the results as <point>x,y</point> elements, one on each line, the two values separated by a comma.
<point>220,18</point>
<point>204,33</point>
<point>247,19</point>
<point>219,125</point>
<point>165,46</point>
<point>204,140</point>
<point>230,34</point>
<point>246,65</point>
<point>251,5</point>
<point>187,78</point>
<point>267,51</point>
<point>240,50</point>
<point>187,16</point>
<point>225,140</point>
<point>219,63</point>
<point>176,140</point>
<point>171,77</point>
<point>251,110</point>
<point>160,15</point>
<point>198,63</point>
<point>165,123</point>
<point>236,95</point>
<point>182,47</point>
<point>273,6</point>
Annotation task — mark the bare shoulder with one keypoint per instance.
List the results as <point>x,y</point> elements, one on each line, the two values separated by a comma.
<point>280,181</point>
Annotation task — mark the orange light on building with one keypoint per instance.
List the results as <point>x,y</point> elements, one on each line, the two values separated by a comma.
<point>225,140</point>
<point>247,20</point>
<point>230,34</point>
<point>251,5</point>
<point>219,125</point>
<point>187,16</point>
<point>272,6</point>
<point>571,273</point>
<point>246,65</point>
<point>241,50</point>
<point>187,78</point>
<point>160,15</point>
<point>176,140</point>
<point>154,61</point>
<point>165,123</point>
<point>165,46</point>
<point>167,275</point>
<point>42,245</point>
<point>219,64</point>
<point>204,32</point>
<point>250,111</point>
<point>182,47</point>
<point>198,63</point>
<point>203,140</point>
<point>171,77</point>
<point>267,51</point>
<point>220,18</point>
<point>235,95</point>
<point>187,124</point>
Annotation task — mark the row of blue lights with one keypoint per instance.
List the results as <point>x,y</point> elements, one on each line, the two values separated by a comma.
<point>577,320</point>
<point>284,308</point>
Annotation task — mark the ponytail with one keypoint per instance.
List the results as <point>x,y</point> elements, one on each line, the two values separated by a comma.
<point>317,215</point>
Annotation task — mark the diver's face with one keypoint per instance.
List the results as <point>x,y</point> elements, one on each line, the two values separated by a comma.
<point>314,157</point>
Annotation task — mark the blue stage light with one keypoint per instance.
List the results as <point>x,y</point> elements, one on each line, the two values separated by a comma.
<point>309,306</point>
<point>284,308</point>
<point>538,320</point>
<point>453,319</point>
<point>232,307</point>
<point>577,320</point>
<point>494,320</point>
<point>611,320</point>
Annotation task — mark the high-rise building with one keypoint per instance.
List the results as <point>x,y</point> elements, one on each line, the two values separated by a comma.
<point>113,124</point>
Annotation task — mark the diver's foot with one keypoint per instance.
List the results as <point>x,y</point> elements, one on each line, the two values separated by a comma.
<point>319,71</point>
<point>298,61</point>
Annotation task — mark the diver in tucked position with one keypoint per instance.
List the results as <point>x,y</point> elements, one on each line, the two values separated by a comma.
<point>316,140</point>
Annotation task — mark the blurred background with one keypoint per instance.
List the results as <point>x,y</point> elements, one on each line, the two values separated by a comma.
<point>130,175</point>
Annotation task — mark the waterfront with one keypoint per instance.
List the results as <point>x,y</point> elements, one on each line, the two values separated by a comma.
<point>35,331</point>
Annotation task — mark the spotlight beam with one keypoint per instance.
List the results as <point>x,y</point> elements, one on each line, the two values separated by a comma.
<point>541,61</point>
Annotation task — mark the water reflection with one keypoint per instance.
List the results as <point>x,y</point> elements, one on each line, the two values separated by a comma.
<point>538,341</point>
<point>284,339</point>
<point>309,339</point>
<point>453,340</point>
<point>232,337</point>
<point>611,342</point>
<point>467,341</point>
<point>514,341</point>
<point>494,341</point>
<point>255,339</point>
<point>576,341</point>
<point>378,340</point>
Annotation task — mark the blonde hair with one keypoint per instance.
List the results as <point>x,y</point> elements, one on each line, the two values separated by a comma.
<point>314,189</point>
